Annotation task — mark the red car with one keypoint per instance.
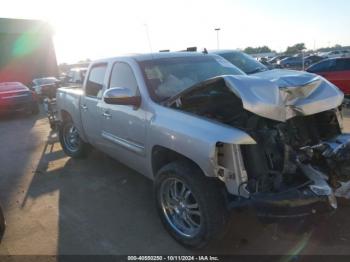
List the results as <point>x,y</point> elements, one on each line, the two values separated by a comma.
<point>335,70</point>
<point>15,96</point>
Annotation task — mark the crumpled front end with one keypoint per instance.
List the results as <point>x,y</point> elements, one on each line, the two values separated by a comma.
<point>299,166</point>
<point>301,159</point>
<point>278,95</point>
<point>296,168</point>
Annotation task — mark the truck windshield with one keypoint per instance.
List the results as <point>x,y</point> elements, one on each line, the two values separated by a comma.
<point>166,77</point>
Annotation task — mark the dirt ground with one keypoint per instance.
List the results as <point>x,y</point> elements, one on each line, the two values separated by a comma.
<point>57,205</point>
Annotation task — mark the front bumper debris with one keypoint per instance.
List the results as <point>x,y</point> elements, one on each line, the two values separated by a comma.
<point>298,202</point>
<point>319,194</point>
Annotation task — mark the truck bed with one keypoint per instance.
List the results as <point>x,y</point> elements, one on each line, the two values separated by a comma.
<point>68,101</point>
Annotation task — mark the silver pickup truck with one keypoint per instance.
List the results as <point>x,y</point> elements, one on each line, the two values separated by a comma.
<point>212,138</point>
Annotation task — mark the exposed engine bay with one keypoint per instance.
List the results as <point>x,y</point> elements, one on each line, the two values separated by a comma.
<point>300,157</point>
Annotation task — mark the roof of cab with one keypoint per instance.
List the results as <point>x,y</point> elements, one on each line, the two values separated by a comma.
<point>151,56</point>
<point>161,55</point>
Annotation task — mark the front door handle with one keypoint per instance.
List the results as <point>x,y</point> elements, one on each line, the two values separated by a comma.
<point>107,115</point>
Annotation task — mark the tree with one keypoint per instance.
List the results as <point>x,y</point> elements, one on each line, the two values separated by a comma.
<point>297,48</point>
<point>257,50</point>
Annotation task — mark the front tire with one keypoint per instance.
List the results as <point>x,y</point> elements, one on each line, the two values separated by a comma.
<point>70,140</point>
<point>191,206</point>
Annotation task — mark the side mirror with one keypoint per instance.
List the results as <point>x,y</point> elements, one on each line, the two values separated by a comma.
<point>121,96</point>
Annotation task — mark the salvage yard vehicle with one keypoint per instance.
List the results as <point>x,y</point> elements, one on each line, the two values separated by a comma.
<point>44,85</point>
<point>75,76</point>
<point>336,54</point>
<point>275,59</point>
<point>293,62</point>
<point>15,96</point>
<point>212,138</point>
<point>335,70</point>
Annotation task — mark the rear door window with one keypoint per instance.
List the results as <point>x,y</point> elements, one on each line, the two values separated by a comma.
<point>94,84</point>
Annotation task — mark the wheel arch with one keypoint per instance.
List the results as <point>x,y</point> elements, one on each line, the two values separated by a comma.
<point>65,115</point>
<point>162,155</point>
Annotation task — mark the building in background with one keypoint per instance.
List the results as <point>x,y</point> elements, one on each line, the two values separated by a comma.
<point>26,50</point>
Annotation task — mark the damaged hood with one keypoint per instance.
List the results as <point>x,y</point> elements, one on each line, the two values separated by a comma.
<point>281,94</point>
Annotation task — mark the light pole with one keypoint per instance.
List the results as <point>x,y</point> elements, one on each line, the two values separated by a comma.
<point>148,38</point>
<point>217,36</point>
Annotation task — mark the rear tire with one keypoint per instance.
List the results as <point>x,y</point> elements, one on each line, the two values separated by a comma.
<point>71,142</point>
<point>198,219</point>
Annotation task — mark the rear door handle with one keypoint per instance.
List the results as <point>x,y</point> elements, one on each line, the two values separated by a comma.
<point>84,107</point>
<point>107,115</point>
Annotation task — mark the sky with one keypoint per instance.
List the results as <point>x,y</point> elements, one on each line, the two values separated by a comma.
<point>103,28</point>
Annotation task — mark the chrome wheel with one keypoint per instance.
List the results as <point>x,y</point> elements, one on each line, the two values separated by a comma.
<point>71,138</point>
<point>180,207</point>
